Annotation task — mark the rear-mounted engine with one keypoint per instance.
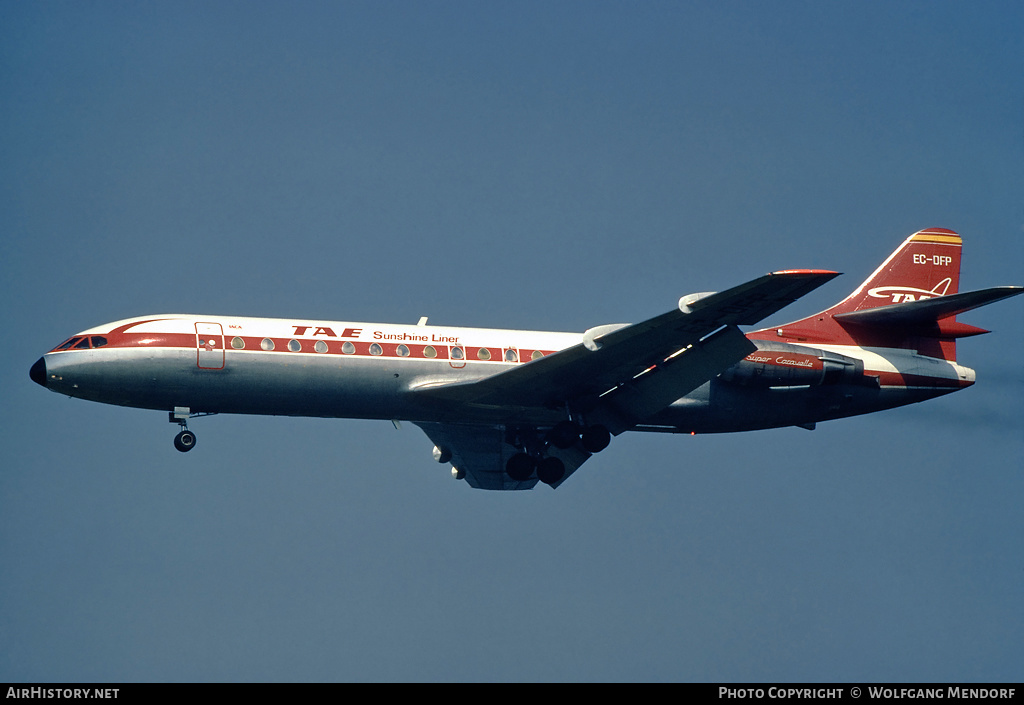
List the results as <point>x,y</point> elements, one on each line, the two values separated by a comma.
<point>784,365</point>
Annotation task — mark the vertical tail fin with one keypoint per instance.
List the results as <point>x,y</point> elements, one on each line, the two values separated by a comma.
<point>926,265</point>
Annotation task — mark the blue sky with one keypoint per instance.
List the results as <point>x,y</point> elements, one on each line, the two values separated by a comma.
<point>521,165</point>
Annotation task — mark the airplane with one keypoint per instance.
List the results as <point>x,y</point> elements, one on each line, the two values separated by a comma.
<point>510,408</point>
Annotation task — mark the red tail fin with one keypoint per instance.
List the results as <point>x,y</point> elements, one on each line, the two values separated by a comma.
<point>925,266</point>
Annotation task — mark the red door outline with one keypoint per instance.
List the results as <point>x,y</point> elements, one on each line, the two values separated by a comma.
<point>209,346</point>
<point>460,362</point>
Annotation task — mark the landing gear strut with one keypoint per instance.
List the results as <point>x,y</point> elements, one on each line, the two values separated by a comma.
<point>564,435</point>
<point>185,440</point>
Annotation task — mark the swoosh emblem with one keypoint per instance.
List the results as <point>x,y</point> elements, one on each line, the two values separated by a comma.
<point>885,292</point>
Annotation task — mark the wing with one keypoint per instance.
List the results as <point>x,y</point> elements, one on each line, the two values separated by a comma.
<point>482,451</point>
<point>619,375</point>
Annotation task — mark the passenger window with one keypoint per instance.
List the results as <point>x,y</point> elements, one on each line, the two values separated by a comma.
<point>267,344</point>
<point>456,353</point>
<point>98,341</point>
<point>483,354</point>
<point>320,346</point>
<point>237,343</point>
<point>403,350</point>
<point>429,351</point>
<point>294,345</point>
<point>376,349</point>
<point>347,347</point>
<point>511,356</point>
<point>537,354</point>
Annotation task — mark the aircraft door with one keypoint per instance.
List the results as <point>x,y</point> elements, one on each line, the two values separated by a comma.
<point>457,356</point>
<point>209,346</point>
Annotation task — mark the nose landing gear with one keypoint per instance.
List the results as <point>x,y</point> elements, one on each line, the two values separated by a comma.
<point>185,440</point>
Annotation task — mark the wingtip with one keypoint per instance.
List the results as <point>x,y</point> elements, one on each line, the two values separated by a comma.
<point>815,273</point>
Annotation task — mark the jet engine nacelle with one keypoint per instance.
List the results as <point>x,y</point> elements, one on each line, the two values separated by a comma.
<point>785,365</point>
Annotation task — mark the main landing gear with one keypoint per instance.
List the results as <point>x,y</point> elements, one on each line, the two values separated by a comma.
<point>521,466</point>
<point>534,456</point>
<point>565,434</point>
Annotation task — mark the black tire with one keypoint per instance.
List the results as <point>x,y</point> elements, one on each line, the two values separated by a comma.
<point>185,441</point>
<point>564,435</point>
<point>550,470</point>
<point>595,438</point>
<point>520,466</point>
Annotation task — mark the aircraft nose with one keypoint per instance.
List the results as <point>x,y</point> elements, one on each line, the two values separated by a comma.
<point>38,372</point>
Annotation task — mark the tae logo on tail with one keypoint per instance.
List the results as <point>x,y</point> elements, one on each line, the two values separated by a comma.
<point>903,294</point>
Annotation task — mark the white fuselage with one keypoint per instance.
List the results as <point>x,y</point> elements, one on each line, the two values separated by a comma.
<point>222,364</point>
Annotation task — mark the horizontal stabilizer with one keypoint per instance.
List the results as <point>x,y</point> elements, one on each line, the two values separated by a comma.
<point>927,311</point>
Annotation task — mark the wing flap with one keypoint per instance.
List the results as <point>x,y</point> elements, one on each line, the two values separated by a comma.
<point>658,386</point>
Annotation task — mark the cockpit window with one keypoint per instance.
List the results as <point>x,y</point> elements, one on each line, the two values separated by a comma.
<point>67,343</point>
<point>83,344</point>
<point>98,341</point>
